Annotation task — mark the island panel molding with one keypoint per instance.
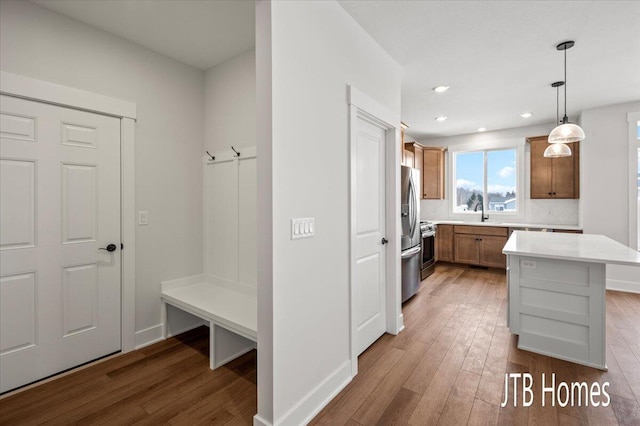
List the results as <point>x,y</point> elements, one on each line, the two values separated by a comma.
<point>556,292</point>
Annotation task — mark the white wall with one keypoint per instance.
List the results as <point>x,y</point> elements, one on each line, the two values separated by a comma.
<point>230,104</point>
<point>605,182</point>
<point>553,212</point>
<point>42,44</point>
<point>317,49</point>
<point>230,120</point>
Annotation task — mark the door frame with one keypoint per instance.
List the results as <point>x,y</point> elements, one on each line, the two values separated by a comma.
<point>363,106</point>
<point>50,93</point>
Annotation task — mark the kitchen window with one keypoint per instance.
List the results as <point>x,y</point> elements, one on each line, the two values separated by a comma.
<point>485,178</point>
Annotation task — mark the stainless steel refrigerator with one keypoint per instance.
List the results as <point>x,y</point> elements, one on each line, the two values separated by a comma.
<point>410,214</point>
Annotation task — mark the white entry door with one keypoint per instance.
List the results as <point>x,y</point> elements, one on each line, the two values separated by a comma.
<point>59,205</point>
<point>370,257</point>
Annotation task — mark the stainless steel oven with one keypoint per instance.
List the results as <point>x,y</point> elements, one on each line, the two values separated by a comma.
<point>427,266</point>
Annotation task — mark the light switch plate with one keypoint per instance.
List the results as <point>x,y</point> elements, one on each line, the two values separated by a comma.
<point>143,217</point>
<point>303,227</point>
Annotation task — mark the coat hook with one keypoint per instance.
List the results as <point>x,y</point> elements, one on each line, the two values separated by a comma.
<point>212,157</point>
<point>234,150</point>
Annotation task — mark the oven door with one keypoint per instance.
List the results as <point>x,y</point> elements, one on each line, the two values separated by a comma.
<point>428,252</point>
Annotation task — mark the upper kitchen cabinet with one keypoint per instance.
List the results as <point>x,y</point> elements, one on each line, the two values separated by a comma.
<point>413,155</point>
<point>433,173</point>
<point>554,177</point>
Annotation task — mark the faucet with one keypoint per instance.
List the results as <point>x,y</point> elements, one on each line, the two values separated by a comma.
<point>482,216</point>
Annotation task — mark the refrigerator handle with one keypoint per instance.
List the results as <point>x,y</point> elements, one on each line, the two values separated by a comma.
<point>410,252</point>
<point>412,208</point>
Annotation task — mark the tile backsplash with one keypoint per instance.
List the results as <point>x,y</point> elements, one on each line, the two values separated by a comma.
<point>548,212</point>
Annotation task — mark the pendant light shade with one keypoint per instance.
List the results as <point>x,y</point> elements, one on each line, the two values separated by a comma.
<point>566,132</point>
<point>555,150</point>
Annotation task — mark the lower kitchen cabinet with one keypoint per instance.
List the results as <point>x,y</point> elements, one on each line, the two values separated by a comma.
<point>467,249</point>
<point>491,251</point>
<point>444,243</point>
<point>476,245</point>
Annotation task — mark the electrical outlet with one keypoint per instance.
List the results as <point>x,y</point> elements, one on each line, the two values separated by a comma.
<point>528,264</point>
<point>143,217</point>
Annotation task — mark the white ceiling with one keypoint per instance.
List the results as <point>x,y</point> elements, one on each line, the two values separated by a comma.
<point>499,57</point>
<point>201,33</point>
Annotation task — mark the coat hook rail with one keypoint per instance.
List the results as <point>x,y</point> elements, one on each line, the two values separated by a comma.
<point>212,157</point>
<point>237,152</point>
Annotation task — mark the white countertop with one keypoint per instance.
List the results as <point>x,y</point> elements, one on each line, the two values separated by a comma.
<point>577,247</point>
<point>506,224</point>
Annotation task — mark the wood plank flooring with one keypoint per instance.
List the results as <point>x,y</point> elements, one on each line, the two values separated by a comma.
<point>167,383</point>
<point>446,368</point>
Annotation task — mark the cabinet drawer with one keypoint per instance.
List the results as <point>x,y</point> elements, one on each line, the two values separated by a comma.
<point>481,230</point>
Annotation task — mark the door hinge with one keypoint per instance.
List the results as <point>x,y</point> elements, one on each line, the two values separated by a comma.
<point>121,246</point>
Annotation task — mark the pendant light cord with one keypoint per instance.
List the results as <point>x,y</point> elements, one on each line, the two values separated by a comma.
<point>565,119</point>
<point>557,105</point>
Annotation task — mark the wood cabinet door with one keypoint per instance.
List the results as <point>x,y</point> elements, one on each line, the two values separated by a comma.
<point>444,243</point>
<point>418,163</point>
<point>433,175</point>
<point>467,249</point>
<point>565,176</point>
<point>541,169</point>
<point>407,158</point>
<point>491,251</point>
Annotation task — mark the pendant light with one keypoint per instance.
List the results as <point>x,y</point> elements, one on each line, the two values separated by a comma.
<point>566,132</point>
<point>555,150</point>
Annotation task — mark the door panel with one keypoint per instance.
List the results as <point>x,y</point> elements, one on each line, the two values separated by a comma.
<point>466,249</point>
<point>17,326</point>
<point>60,203</point>
<point>564,174</point>
<point>541,172</point>
<point>79,295</point>
<point>491,251</point>
<point>17,204</point>
<point>369,270</point>
<point>79,203</point>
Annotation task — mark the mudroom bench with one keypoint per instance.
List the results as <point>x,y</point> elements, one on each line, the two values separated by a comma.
<point>230,310</point>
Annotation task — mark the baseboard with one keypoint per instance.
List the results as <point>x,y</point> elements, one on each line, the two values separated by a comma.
<point>309,406</point>
<point>152,335</point>
<point>626,286</point>
<point>259,421</point>
<point>400,323</point>
<point>148,336</point>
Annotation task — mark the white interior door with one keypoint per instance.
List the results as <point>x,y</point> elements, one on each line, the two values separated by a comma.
<point>59,204</point>
<point>370,258</point>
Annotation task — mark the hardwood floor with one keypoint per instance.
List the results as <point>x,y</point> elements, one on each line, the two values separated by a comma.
<point>167,383</point>
<point>447,367</point>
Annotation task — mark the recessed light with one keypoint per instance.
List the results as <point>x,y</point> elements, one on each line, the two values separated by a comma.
<point>441,118</point>
<point>440,89</point>
<point>482,129</point>
<point>526,114</point>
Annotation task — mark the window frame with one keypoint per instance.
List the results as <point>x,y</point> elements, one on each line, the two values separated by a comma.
<point>519,147</point>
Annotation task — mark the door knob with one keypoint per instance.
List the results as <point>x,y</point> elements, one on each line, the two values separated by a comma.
<point>109,248</point>
<point>384,241</point>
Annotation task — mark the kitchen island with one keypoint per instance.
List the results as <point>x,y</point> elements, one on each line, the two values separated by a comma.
<point>556,292</point>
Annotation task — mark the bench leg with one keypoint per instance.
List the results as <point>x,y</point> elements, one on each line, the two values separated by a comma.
<point>165,319</point>
<point>212,345</point>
